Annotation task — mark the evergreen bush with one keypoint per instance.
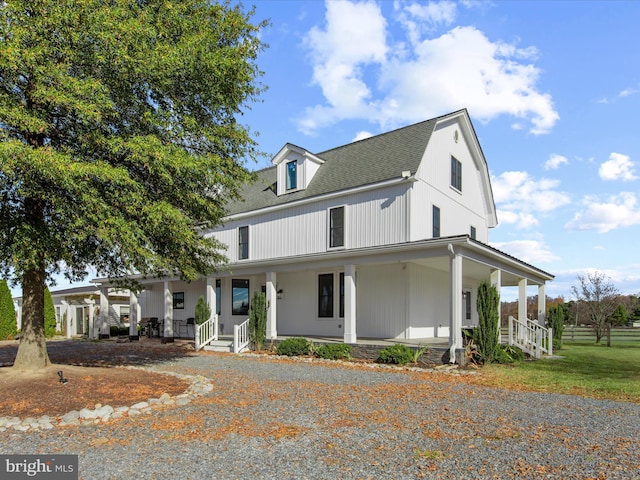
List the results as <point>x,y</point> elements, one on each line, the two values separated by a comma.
<point>8,327</point>
<point>334,351</point>
<point>398,354</point>
<point>486,334</point>
<point>203,312</point>
<point>293,347</point>
<point>49,315</point>
<point>258,320</point>
<point>555,320</point>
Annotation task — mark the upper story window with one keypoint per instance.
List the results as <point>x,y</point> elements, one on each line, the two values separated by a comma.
<point>243,243</point>
<point>336,227</point>
<point>472,234</point>
<point>456,174</point>
<point>436,222</point>
<point>292,177</point>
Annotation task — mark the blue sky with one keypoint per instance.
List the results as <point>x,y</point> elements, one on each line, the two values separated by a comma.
<point>553,89</point>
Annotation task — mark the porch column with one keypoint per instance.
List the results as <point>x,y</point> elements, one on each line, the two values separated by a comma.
<point>134,318</point>
<point>455,322</point>
<point>167,336</point>
<point>272,306</point>
<point>211,302</point>
<point>65,318</point>
<point>542,306</point>
<point>91,321</point>
<point>350,304</point>
<point>104,312</point>
<point>496,281</point>
<point>522,299</point>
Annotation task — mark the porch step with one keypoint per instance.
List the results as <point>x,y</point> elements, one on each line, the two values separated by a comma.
<point>219,346</point>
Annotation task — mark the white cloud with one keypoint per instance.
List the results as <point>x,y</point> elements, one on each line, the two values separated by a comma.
<point>555,161</point>
<point>362,76</point>
<point>362,135</point>
<point>518,197</point>
<point>418,19</point>
<point>618,167</point>
<point>530,251</point>
<point>629,91</point>
<point>618,211</point>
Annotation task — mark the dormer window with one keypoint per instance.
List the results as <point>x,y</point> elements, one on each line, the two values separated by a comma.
<point>292,178</point>
<point>295,169</point>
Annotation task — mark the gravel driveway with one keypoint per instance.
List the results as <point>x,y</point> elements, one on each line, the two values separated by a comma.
<point>272,419</point>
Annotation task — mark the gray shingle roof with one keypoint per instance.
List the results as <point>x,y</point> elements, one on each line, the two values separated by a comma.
<point>365,162</point>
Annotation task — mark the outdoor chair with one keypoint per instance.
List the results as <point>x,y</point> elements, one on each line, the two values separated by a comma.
<point>190,321</point>
<point>154,327</point>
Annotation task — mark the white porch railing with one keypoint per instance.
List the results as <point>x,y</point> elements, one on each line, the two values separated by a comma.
<point>240,336</point>
<point>530,337</point>
<point>206,332</point>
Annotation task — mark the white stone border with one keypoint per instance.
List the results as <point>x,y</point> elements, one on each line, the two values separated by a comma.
<point>103,413</point>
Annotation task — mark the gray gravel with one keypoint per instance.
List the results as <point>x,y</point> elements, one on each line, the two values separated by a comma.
<point>269,418</point>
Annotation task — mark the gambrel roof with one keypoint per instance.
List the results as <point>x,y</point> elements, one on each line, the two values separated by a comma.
<point>365,162</point>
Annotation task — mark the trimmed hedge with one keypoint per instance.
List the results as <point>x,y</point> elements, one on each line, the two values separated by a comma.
<point>398,354</point>
<point>333,351</point>
<point>295,346</point>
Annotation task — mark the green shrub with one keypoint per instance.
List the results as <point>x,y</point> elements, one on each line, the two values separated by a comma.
<point>49,315</point>
<point>486,335</point>
<point>116,331</point>
<point>334,351</point>
<point>8,327</point>
<point>203,312</point>
<point>398,354</point>
<point>258,320</point>
<point>292,347</point>
<point>508,354</point>
<point>555,320</point>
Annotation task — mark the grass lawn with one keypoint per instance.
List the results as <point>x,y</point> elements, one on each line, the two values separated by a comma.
<point>581,368</point>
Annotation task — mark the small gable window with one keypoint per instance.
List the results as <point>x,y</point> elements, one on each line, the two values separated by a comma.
<point>473,232</point>
<point>436,222</point>
<point>456,174</point>
<point>292,177</point>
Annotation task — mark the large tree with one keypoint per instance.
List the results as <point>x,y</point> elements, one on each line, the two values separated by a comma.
<point>119,139</point>
<point>597,299</point>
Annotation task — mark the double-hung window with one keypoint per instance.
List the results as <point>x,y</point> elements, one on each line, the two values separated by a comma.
<point>243,243</point>
<point>456,174</point>
<point>325,295</point>
<point>436,221</point>
<point>336,227</point>
<point>292,176</point>
<point>178,300</point>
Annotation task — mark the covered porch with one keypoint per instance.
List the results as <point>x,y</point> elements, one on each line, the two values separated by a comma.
<point>417,293</point>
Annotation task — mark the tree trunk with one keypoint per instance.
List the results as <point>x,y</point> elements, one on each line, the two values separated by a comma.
<point>32,350</point>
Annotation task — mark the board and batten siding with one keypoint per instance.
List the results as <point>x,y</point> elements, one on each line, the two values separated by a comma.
<point>374,217</point>
<point>458,210</point>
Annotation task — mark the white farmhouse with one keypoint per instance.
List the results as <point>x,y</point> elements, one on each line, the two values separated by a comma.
<point>383,238</point>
